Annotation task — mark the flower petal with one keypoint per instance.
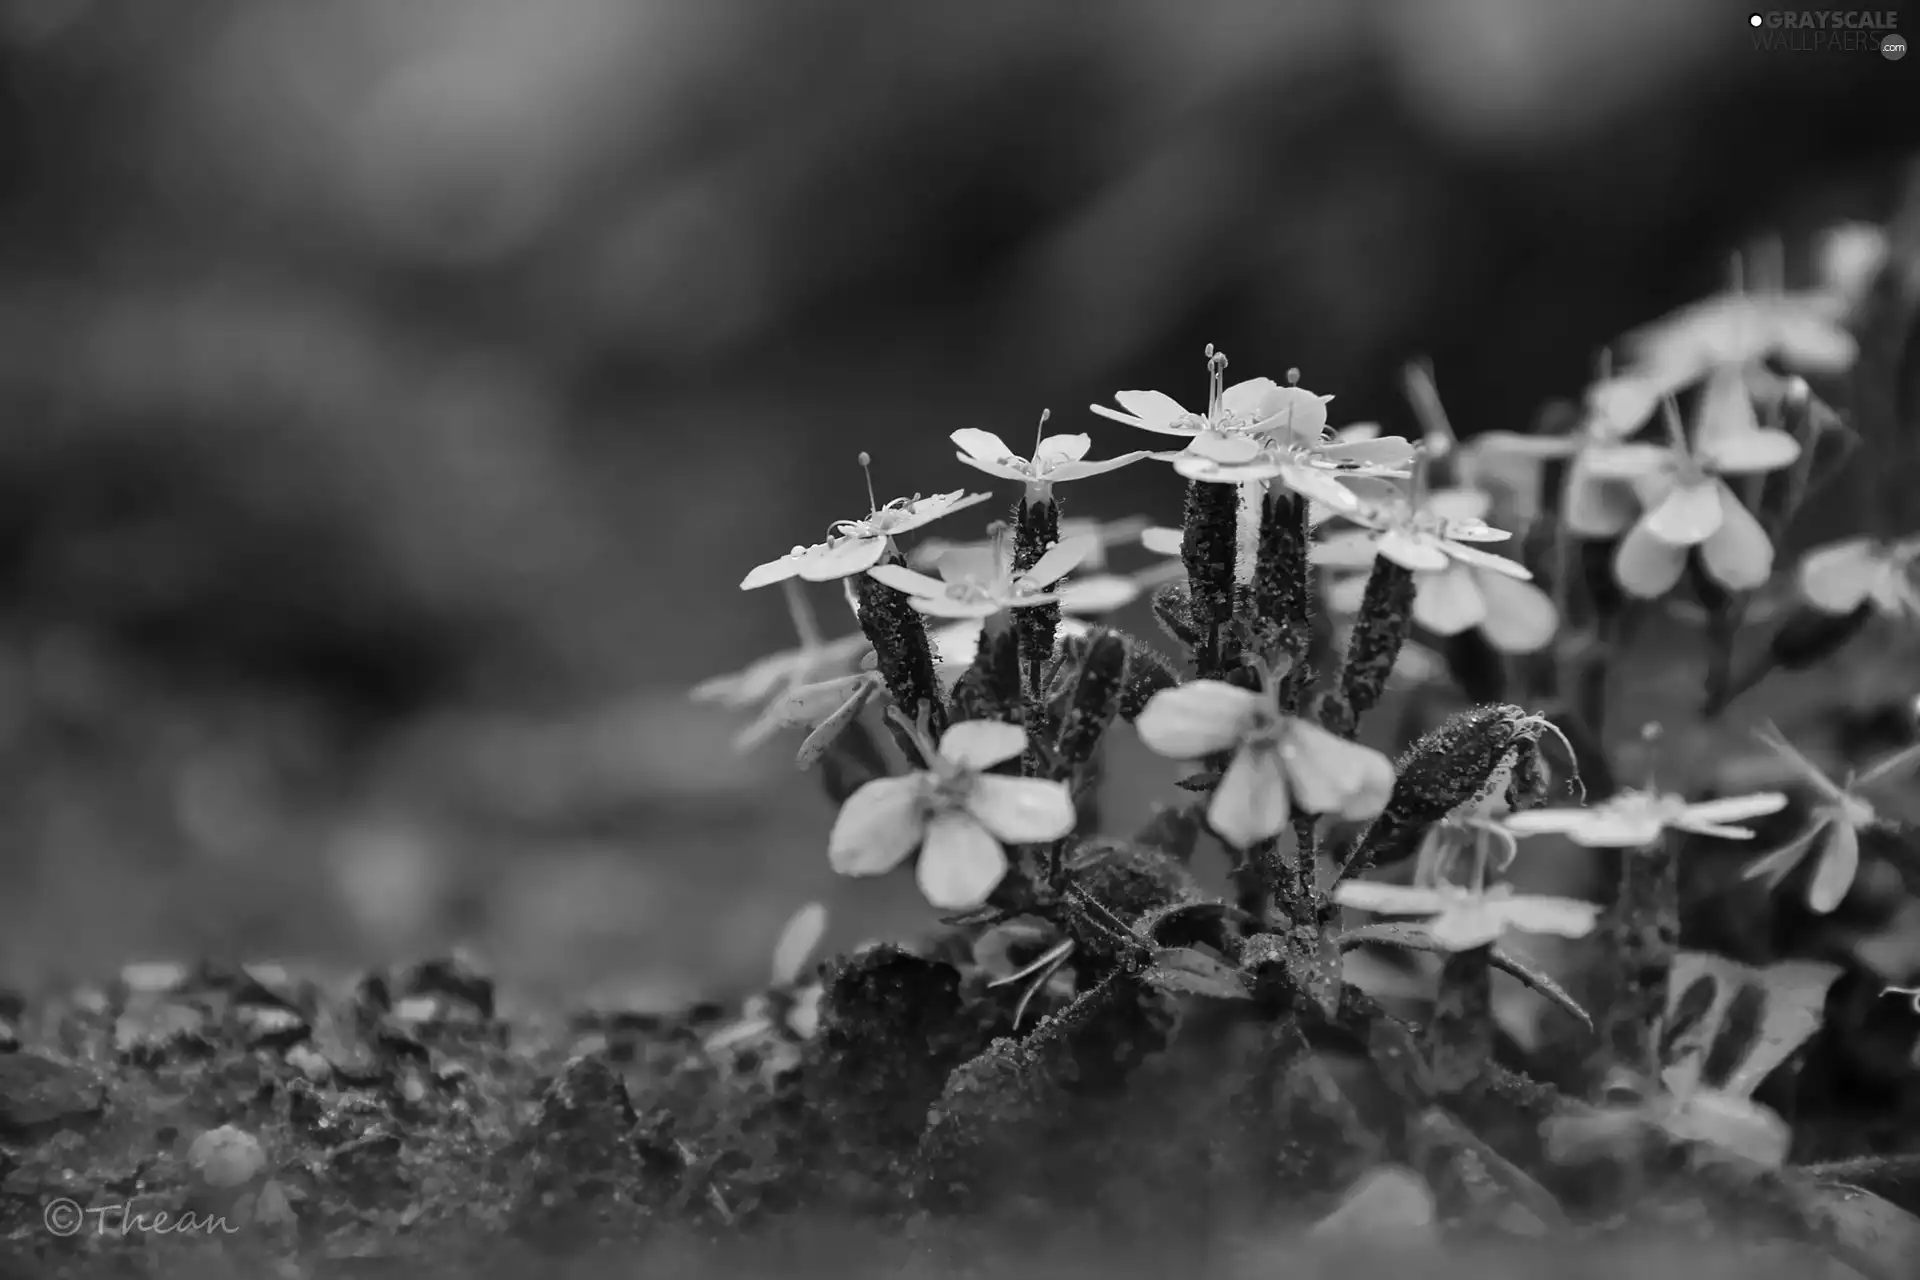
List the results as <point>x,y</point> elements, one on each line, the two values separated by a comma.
<point>1547,913</point>
<point>1448,603</point>
<point>1460,503</point>
<point>983,446</point>
<point>1775,866</point>
<point>905,580</point>
<point>1390,899</point>
<point>1059,449</point>
<point>971,607</point>
<point>1646,566</point>
<point>1059,560</point>
<point>1065,471</point>
<point>1810,773</point>
<point>1234,449</point>
<point>1328,774</point>
<point>1487,560</point>
<point>960,864</point>
<point>1023,810</point>
<point>1250,802</point>
<point>1521,618</point>
<point>841,558</point>
<point>1688,515</point>
<point>1249,398</point>
<point>1839,576</point>
<point>1162,541</point>
<point>1626,461</point>
<point>1317,485</point>
<point>1469,921</point>
<point>1149,410</point>
<point>878,826</point>
<point>1725,414</point>
<point>1388,451</point>
<point>1196,719</point>
<point>1344,596</point>
<point>1598,507</point>
<point>927,510</point>
<point>1898,762</point>
<point>1621,405</point>
<point>1542,822</point>
<point>1838,861</point>
<point>1415,551</point>
<point>1613,828</point>
<point>1738,555</point>
<point>1000,470</point>
<point>982,744</point>
<point>1347,549</point>
<point>1750,452</point>
<point>1738,808</point>
<point>1100,593</point>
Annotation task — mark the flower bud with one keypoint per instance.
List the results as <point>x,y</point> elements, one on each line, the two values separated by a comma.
<point>1148,673</point>
<point>990,688</point>
<point>1384,621</point>
<point>903,652</point>
<point>1208,551</point>
<point>1173,610</point>
<point>1282,585</point>
<point>1448,767</point>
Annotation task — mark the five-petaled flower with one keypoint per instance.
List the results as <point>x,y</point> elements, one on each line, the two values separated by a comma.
<point>1460,919</point>
<point>1457,586</point>
<point>1055,460</point>
<point>1686,504</point>
<point>1255,405</point>
<point>855,546</point>
<point>1634,819</point>
<point>955,813</point>
<point>1280,762</point>
<point>1314,467</point>
<point>1838,816</point>
<point>978,582</point>
<point>1724,342</point>
<point>1841,576</point>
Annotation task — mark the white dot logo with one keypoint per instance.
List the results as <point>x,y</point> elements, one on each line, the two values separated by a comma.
<point>1893,48</point>
<point>1754,19</point>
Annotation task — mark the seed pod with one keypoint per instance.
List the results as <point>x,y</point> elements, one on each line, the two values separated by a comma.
<point>1208,551</point>
<point>1097,693</point>
<point>902,650</point>
<point>1385,619</point>
<point>1036,528</point>
<point>1282,585</point>
<point>1448,767</point>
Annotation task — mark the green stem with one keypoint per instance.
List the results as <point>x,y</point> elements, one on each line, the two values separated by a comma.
<point>1460,1036</point>
<point>1642,933</point>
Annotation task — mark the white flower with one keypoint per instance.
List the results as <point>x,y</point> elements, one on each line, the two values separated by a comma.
<point>1685,503</point>
<point>978,583</point>
<point>957,815</point>
<point>1833,836</point>
<point>855,546</point>
<point>1457,586</point>
<point>1460,919</point>
<point>1280,762</point>
<point>1054,461</point>
<point>786,685</point>
<point>1634,819</point>
<point>1258,404</point>
<point>1315,468</point>
<point>1841,576</point>
<point>1724,342</point>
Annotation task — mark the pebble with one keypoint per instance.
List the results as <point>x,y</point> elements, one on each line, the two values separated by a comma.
<point>226,1157</point>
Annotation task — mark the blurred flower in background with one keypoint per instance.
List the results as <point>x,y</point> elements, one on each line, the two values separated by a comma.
<point>391,394</point>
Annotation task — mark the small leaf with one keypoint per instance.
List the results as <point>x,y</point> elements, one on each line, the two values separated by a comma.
<point>1538,981</point>
<point>1795,1006</point>
<point>1195,973</point>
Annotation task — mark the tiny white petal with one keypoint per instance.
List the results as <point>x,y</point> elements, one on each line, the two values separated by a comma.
<point>1023,810</point>
<point>1196,719</point>
<point>960,864</point>
<point>878,826</point>
<point>982,744</point>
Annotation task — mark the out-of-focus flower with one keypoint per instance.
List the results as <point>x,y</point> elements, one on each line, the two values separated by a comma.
<point>1724,341</point>
<point>1832,838</point>
<point>1634,819</point>
<point>1313,468</point>
<point>1104,534</point>
<point>855,546</point>
<point>1280,762</point>
<point>1841,576</point>
<point>1460,919</point>
<point>1469,588</point>
<point>1054,461</point>
<point>955,813</point>
<point>978,583</point>
<point>1848,259</point>
<point>787,686</point>
<point>1686,503</point>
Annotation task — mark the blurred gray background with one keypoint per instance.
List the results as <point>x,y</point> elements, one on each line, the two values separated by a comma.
<point>392,392</point>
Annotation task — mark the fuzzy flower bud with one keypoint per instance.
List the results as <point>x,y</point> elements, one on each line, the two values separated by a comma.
<point>1449,767</point>
<point>1036,530</point>
<point>990,688</point>
<point>1379,631</point>
<point>904,653</point>
<point>1208,550</point>
<point>1282,581</point>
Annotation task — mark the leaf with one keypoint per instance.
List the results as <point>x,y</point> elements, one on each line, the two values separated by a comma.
<point>1195,973</point>
<point>1417,938</point>
<point>1199,781</point>
<point>1795,1006</point>
<point>1392,1200</point>
<point>798,938</point>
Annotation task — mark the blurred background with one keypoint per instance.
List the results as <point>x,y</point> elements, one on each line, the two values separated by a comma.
<point>392,392</point>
